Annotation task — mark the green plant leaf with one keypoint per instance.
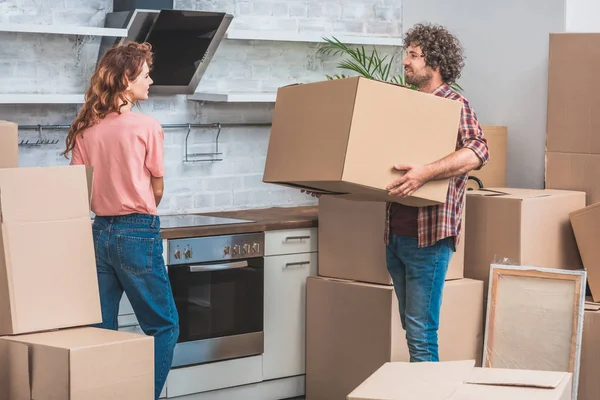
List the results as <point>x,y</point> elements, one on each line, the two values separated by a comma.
<point>371,66</point>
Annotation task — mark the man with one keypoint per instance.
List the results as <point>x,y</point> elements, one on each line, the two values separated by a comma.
<point>420,241</point>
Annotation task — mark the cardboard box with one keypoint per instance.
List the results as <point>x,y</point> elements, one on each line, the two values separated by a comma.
<point>352,246</point>
<point>459,380</point>
<point>345,135</point>
<point>520,227</point>
<point>572,117</point>
<point>48,276</point>
<point>586,228</point>
<point>574,171</point>
<point>77,364</point>
<point>9,142</point>
<point>493,174</point>
<point>589,384</point>
<point>353,328</point>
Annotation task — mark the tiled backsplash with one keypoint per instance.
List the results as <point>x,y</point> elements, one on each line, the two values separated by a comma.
<point>33,63</point>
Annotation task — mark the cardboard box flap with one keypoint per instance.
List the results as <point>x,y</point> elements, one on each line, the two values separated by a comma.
<point>515,377</point>
<point>584,210</point>
<point>486,192</point>
<point>592,307</point>
<point>40,194</point>
<point>511,193</point>
<point>414,381</point>
<point>351,282</point>
<point>77,338</point>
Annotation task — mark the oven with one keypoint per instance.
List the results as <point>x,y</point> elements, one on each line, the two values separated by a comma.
<point>218,286</point>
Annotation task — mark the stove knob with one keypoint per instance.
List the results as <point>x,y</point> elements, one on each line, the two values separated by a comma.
<point>177,254</point>
<point>246,249</point>
<point>226,250</point>
<point>187,253</point>
<point>255,248</point>
<point>236,250</point>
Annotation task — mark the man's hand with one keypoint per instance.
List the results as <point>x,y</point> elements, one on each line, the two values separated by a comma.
<point>313,194</point>
<point>415,177</point>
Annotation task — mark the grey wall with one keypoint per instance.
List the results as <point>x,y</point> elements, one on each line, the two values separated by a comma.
<point>505,77</point>
<point>32,63</point>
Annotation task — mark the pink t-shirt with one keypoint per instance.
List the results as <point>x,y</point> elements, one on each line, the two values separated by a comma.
<point>125,151</point>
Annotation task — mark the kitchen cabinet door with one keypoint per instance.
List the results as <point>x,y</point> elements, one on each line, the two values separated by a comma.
<point>284,313</point>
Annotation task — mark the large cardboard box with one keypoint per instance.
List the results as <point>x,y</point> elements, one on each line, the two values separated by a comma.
<point>572,141</point>
<point>586,228</point>
<point>459,380</point>
<point>345,135</point>
<point>9,142</point>
<point>572,120</point>
<point>353,328</point>
<point>520,227</point>
<point>352,246</point>
<point>48,276</point>
<point>77,364</point>
<point>589,369</point>
<point>493,174</point>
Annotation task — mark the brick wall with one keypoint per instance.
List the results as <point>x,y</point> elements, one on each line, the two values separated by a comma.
<point>33,63</point>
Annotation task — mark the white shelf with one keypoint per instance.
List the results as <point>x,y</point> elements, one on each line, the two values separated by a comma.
<point>311,37</point>
<point>64,30</point>
<point>41,98</point>
<point>239,97</point>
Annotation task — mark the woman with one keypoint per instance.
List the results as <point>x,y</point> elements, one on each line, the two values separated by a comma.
<point>126,151</point>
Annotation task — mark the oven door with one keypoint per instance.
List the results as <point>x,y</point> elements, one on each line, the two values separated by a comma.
<point>220,308</point>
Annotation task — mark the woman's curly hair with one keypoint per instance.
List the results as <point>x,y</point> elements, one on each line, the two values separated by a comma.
<point>440,48</point>
<point>106,94</point>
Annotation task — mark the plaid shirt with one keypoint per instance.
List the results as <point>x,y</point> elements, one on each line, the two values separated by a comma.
<point>445,220</point>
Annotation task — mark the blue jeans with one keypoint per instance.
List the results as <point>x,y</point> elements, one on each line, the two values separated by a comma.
<point>129,258</point>
<point>418,275</point>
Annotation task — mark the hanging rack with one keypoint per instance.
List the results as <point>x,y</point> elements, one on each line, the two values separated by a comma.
<point>212,156</point>
<point>41,141</point>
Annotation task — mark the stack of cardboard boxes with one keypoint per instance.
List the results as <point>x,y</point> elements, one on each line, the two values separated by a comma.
<point>49,292</point>
<point>353,322</point>
<point>342,138</point>
<point>573,162</point>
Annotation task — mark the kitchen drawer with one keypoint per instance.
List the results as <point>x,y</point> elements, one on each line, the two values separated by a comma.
<point>291,241</point>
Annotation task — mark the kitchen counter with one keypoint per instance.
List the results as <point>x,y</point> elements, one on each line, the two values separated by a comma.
<point>260,220</point>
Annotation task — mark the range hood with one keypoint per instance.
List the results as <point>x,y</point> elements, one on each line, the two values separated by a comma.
<point>183,43</point>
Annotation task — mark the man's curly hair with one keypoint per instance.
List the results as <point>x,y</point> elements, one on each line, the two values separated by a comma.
<point>440,48</point>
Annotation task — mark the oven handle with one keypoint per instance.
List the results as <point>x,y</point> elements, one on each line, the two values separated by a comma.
<point>218,267</point>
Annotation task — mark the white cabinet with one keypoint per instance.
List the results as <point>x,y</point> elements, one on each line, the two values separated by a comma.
<point>291,258</point>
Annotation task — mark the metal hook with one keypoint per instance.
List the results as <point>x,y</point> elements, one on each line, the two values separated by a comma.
<point>217,138</point>
<point>186,141</point>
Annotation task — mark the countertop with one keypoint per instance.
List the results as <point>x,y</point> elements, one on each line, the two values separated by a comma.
<point>265,219</point>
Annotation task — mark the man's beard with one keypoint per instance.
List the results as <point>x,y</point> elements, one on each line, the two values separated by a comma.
<point>418,80</point>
